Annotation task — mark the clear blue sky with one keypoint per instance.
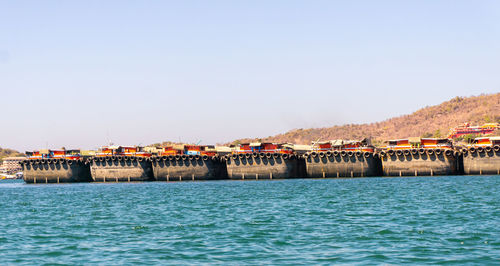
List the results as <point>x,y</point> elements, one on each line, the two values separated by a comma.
<point>76,73</point>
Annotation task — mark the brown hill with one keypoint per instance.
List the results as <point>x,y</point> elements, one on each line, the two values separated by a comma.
<point>430,121</point>
<point>8,153</point>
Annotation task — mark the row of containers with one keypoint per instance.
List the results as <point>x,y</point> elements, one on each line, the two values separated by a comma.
<point>331,159</point>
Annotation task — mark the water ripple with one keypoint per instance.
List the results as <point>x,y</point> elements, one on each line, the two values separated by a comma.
<point>423,220</point>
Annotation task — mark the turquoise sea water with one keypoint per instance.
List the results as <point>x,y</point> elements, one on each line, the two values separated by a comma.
<point>453,219</point>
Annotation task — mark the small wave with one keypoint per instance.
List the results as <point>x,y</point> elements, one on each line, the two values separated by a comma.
<point>385,232</point>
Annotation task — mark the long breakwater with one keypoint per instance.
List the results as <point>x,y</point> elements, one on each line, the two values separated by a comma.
<point>255,166</point>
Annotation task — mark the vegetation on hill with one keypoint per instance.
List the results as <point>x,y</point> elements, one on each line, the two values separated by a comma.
<point>433,121</point>
<point>165,143</point>
<point>9,153</point>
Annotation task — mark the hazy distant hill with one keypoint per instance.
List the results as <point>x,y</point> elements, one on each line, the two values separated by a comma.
<point>429,121</point>
<point>8,153</point>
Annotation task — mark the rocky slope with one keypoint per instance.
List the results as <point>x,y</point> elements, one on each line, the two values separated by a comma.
<point>430,121</point>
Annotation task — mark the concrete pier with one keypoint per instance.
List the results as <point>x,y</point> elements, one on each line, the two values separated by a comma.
<point>481,162</point>
<point>188,168</point>
<point>244,166</point>
<point>121,169</point>
<point>342,164</point>
<point>264,166</point>
<point>419,162</point>
<point>55,171</point>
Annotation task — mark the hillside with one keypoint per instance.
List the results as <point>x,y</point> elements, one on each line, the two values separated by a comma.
<point>8,153</point>
<point>430,121</point>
